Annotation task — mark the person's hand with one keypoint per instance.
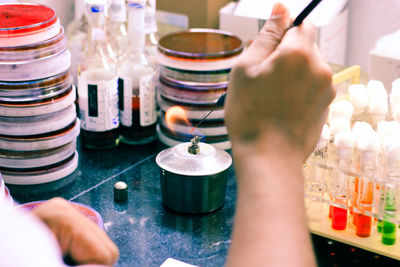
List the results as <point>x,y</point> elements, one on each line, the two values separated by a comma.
<point>279,91</point>
<point>79,238</point>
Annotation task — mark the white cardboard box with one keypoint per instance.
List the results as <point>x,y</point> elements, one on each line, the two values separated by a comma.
<point>383,68</point>
<point>331,38</point>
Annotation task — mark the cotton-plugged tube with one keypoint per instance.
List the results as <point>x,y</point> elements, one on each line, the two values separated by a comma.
<point>378,108</point>
<point>315,185</point>
<point>388,130</point>
<point>390,207</point>
<point>395,94</point>
<point>359,99</point>
<point>375,89</point>
<point>339,124</point>
<point>363,196</point>
<point>341,108</point>
<point>344,142</point>
<point>361,129</point>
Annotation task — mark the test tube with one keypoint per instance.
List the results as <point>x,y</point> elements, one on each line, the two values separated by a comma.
<point>315,179</point>
<point>378,102</point>
<point>344,146</point>
<point>359,99</point>
<point>369,147</point>
<point>360,131</point>
<point>390,211</point>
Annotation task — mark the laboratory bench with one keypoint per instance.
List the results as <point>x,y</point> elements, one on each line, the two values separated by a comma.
<point>146,232</point>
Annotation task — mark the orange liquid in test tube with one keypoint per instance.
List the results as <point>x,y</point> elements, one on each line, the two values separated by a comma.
<point>363,222</point>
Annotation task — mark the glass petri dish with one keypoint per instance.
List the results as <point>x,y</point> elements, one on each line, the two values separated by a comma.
<point>41,141</point>
<point>35,69</point>
<point>38,158</point>
<point>35,90</point>
<point>187,93</point>
<point>217,76</point>
<point>42,175</point>
<point>193,112</point>
<point>33,125</point>
<point>37,50</point>
<point>89,212</point>
<point>45,106</point>
<point>24,23</point>
<point>199,50</point>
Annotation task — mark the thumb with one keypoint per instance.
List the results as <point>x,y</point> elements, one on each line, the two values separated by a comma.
<point>270,35</point>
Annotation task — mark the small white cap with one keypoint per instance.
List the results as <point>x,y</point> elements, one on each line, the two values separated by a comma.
<point>361,129</point>
<point>393,149</point>
<point>344,139</point>
<point>341,108</point>
<point>339,124</point>
<point>370,143</point>
<point>358,95</point>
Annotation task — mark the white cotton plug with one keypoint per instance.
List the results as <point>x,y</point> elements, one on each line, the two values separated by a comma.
<point>369,143</point>
<point>388,130</point>
<point>378,105</point>
<point>341,108</point>
<point>324,137</point>
<point>344,139</point>
<point>376,89</point>
<point>396,84</point>
<point>361,129</point>
<point>344,142</point>
<point>394,98</point>
<point>358,96</point>
<point>393,149</point>
<point>339,124</point>
<point>396,112</point>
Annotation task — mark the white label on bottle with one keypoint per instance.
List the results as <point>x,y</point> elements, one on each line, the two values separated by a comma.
<point>98,104</point>
<point>147,95</point>
<point>126,90</point>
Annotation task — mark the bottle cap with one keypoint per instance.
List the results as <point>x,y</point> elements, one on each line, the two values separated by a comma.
<point>120,191</point>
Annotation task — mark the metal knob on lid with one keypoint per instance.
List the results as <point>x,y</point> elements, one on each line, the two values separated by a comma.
<point>193,177</point>
<point>120,191</point>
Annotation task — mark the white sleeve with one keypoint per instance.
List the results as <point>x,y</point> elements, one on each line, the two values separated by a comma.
<point>25,241</point>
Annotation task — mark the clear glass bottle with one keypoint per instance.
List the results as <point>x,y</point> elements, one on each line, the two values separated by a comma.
<point>151,31</point>
<point>137,83</point>
<point>98,86</point>
<point>117,30</point>
<point>77,37</point>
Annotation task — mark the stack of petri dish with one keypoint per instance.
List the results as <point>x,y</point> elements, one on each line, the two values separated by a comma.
<point>38,122</point>
<point>5,196</point>
<point>194,73</point>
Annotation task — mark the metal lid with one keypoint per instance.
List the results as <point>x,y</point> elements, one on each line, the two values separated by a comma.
<point>208,160</point>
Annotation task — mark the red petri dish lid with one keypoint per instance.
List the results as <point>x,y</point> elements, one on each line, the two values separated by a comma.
<point>24,19</point>
<point>201,44</point>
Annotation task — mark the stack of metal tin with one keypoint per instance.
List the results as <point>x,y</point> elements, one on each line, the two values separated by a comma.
<point>38,122</point>
<point>194,73</point>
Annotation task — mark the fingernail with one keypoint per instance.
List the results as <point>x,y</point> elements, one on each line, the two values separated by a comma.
<point>278,10</point>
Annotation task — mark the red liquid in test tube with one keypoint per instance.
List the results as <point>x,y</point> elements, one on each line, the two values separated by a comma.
<point>339,218</point>
<point>363,225</point>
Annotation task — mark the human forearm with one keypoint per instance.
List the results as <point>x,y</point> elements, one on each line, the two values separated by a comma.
<point>270,222</point>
